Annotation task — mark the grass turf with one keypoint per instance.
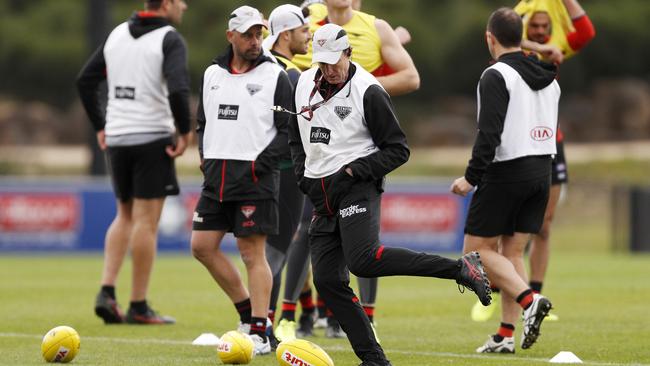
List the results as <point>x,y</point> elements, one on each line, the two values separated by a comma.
<point>602,300</point>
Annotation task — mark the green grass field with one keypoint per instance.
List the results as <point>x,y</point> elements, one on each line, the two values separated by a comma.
<point>602,300</point>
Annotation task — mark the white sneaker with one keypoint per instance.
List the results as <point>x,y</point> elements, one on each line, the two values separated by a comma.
<point>244,328</point>
<point>334,330</point>
<point>262,346</point>
<point>320,323</point>
<point>286,330</point>
<point>507,345</point>
<point>533,317</point>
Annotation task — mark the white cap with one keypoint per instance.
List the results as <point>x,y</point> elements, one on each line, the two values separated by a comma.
<point>329,42</point>
<point>243,18</point>
<point>283,18</point>
<point>306,3</point>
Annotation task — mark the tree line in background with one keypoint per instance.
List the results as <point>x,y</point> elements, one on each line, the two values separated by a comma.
<point>43,44</point>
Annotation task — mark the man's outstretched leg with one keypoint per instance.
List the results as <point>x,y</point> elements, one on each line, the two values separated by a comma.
<point>365,257</point>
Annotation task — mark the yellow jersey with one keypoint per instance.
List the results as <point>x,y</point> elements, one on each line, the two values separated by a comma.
<point>287,63</point>
<point>362,34</point>
<point>561,24</point>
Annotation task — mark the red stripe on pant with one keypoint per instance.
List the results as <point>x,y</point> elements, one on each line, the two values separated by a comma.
<point>380,251</point>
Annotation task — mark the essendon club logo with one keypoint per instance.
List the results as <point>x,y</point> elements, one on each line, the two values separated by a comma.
<point>253,88</point>
<point>319,135</point>
<point>248,211</point>
<point>541,133</point>
<point>342,111</point>
<point>228,111</point>
<point>124,92</point>
<point>294,360</point>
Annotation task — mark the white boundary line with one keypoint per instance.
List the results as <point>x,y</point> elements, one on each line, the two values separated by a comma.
<point>331,348</point>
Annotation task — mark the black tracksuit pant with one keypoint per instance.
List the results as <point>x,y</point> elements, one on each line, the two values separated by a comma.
<point>350,241</point>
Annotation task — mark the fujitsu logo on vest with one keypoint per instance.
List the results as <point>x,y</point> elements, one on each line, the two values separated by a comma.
<point>319,135</point>
<point>228,111</point>
<point>124,92</point>
<point>541,133</point>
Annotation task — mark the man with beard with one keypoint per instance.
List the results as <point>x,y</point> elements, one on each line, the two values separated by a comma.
<point>511,170</point>
<point>241,141</point>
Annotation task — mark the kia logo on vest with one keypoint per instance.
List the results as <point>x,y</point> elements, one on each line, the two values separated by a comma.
<point>228,111</point>
<point>319,135</point>
<point>541,133</point>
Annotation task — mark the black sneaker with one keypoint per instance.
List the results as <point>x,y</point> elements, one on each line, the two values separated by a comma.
<point>149,317</point>
<point>107,308</point>
<point>473,277</point>
<point>305,325</point>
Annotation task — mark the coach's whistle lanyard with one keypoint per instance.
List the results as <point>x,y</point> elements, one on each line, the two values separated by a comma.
<point>310,108</point>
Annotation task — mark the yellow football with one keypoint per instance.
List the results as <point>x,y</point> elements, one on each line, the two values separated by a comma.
<point>60,344</point>
<point>300,352</point>
<point>235,348</point>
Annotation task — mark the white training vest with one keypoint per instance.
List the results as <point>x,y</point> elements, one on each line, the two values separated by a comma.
<point>239,122</point>
<point>137,89</point>
<point>531,120</point>
<point>337,134</point>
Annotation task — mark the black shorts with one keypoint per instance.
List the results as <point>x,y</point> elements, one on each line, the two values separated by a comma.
<point>559,173</point>
<point>508,208</point>
<point>242,218</point>
<point>142,171</point>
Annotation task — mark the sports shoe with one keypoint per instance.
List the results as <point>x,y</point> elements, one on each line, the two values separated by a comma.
<point>507,345</point>
<point>286,330</point>
<point>149,317</point>
<point>533,317</point>
<point>305,325</point>
<point>107,308</point>
<point>262,346</point>
<point>244,328</point>
<point>473,277</point>
<point>320,323</point>
<point>334,329</point>
<point>482,313</point>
